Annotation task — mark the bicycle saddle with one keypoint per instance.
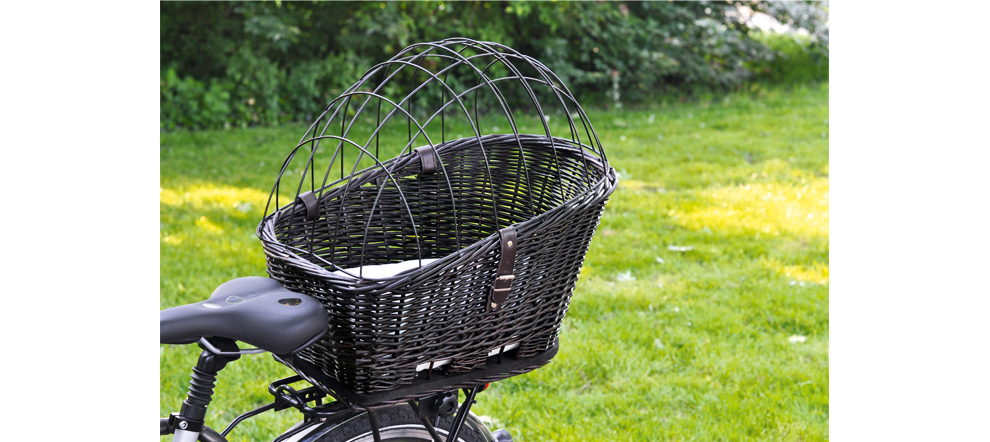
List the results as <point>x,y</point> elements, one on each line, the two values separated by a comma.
<point>255,310</point>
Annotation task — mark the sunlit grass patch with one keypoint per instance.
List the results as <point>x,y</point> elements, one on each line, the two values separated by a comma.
<point>202,196</point>
<point>816,273</point>
<point>767,208</point>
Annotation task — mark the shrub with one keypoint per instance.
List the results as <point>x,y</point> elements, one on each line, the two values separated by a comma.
<point>794,60</point>
<point>284,61</point>
<point>190,104</point>
<point>257,80</point>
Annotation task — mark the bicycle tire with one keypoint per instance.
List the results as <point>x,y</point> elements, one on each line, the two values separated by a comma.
<point>207,435</point>
<point>400,423</point>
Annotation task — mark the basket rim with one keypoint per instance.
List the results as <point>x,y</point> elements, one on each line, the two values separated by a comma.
<point>600,189</point>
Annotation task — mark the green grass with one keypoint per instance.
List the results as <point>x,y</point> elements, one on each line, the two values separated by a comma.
<point>658,344</point>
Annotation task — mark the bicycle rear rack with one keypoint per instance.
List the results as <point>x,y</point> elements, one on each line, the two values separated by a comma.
<point>429,409</point>
<point>288,397</point>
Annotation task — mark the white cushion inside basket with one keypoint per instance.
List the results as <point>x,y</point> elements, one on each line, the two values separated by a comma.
<point>382,271</point>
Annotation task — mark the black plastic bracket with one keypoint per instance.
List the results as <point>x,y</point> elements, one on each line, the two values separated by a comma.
<point>288,397</point>
<point>177,422</point>
<point>439,405</point>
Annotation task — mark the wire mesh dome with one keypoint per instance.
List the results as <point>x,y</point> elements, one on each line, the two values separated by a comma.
<point>462,248</point>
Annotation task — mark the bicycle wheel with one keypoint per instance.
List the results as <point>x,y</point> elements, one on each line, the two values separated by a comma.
<point>398,424</point>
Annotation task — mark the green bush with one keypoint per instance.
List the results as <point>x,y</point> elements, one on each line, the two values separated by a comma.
<point>257,81</point>
<point>189,104</point>
<point>795,60</point>
<point>284,61</point>
<point>312,84</point>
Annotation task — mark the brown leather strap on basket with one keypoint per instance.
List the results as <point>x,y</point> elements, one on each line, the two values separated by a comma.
<point>428,163</point>
<point>503,279</point>
<point>312,205</point>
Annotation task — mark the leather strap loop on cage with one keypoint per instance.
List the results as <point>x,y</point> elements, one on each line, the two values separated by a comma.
<point>503,279</point>
<point>429,164</point>
<point>312,207</point>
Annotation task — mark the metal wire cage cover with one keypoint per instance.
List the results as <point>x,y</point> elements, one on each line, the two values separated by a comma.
<point>530,172</point>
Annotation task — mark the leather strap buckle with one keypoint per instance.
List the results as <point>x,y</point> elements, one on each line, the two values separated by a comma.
<point>502,285</point>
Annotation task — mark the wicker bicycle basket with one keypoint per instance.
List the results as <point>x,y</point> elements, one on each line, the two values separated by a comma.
<point>458,251</point>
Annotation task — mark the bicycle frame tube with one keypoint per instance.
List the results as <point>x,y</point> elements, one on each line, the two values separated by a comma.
<point>185,436</point>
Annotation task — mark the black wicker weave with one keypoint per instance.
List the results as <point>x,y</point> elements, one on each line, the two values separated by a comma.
<point>458,203</point>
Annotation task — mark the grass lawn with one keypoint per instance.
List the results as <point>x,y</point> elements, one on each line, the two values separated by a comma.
<point>701,312</point>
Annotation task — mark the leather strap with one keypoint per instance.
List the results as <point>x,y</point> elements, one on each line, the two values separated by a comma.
<point>503,279</point>
<point>312,207</point>
<point>427,160</point>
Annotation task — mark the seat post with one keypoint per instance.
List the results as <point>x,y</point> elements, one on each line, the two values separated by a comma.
<point>190,419</point>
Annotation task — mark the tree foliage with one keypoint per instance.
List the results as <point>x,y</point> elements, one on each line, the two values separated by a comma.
<point>264,63</point>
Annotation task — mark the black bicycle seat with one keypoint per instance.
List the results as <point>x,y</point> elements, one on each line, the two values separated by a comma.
<point>255,310</point>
